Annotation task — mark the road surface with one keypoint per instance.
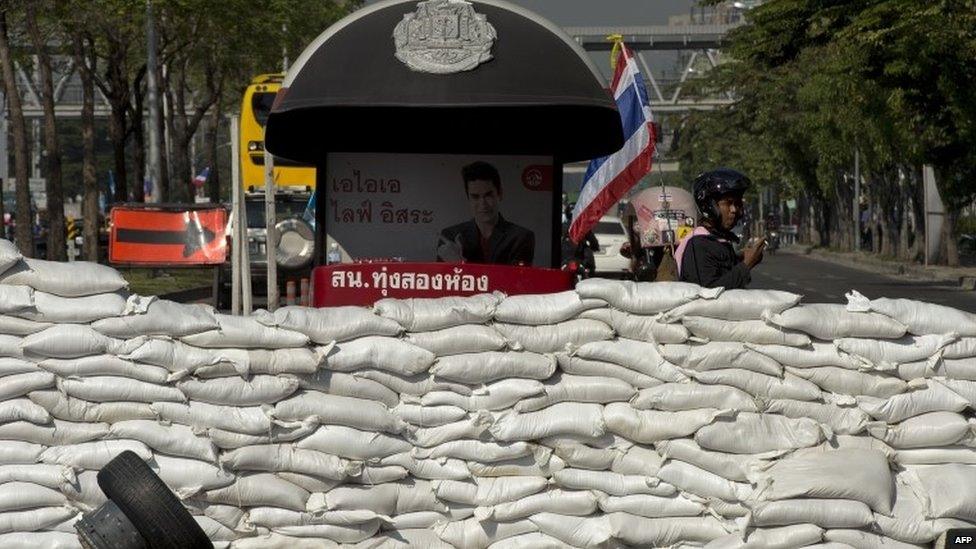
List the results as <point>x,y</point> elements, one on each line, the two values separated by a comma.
<point>821,281</point>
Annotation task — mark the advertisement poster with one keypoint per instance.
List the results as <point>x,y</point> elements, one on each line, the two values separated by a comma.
<point>450,208</point>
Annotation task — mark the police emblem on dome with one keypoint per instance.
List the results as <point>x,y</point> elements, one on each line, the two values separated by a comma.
<point>444,37</point>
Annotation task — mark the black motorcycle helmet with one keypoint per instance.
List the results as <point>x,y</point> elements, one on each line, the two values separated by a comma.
<point>710,186</point>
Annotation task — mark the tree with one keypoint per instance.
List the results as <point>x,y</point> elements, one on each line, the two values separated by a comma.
<point>19,131</point>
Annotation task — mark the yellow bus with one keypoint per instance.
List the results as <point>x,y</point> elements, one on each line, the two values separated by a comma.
<point>255,108</point>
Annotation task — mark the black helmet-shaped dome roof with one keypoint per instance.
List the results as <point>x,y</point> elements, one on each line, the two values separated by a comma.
<point>349,92</point>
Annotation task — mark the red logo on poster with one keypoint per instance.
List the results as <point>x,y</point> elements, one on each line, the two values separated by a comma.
<point>537,178</point>
<point>147,235</point>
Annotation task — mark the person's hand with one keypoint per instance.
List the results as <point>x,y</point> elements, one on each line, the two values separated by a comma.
<point>752,254</point>
<point>450,251</point>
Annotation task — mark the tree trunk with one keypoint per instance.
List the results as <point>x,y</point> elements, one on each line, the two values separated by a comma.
<point>116,132</point>
<point>918,213</point>
<point>56,245</point>
<point>19,131</point>
<point>164,187</point>
<point>212,137</point>
<point>950,247</point>
<point>89,204</point>
<point>175,188</point>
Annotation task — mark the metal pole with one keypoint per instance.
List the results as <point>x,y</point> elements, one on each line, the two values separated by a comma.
<point>152,89</point>
<point>857,200</point>
<point>272,239</point>
<point>235,170</point>
<point>245,255</point>
<point>284,48</point>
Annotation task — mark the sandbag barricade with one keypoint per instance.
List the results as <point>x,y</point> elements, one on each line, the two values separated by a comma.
<point>618,414</point>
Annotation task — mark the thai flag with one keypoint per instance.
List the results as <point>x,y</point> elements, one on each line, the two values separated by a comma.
<point>609,178</point>
<point>201,178</point>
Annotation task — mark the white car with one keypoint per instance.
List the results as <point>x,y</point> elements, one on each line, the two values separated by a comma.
<point>611,235</point>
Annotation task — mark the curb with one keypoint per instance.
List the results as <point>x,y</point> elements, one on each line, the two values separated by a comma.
<point>880,266</point>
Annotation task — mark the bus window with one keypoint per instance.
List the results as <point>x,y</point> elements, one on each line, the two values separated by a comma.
<point>261,106</point>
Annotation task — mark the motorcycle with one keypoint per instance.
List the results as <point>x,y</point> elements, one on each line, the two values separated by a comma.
<point>772,242</point>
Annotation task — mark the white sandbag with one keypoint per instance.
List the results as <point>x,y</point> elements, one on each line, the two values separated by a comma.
<point>93,455</point>
<point>476,368</point>
<point>527,466</point>
<point>215,531</point>
<point>383,353</point>
<point>119,389</point>
<point>610,483</point>
<point>279,541</point>
<point>962,348</point>
<point>640,328</point>
<point>909,522</point>
<point>936,456</point>
<point>20,327</point>
<point>259,489</point>
<point>639,356</point>
<point>936,366</point>
<point>75,279</point>
<point>476,450</point>
<point>260,361</point>
<point>379,475</point>
<point>924,431</point>
<point>891,353</point>
<point>178,357</point>
<point>649,426</point>
<point>40,540</point>
<point>644,298</point>
<point>415,385</point>
<point>16,299</point>
<point>67,408</point>
<point>676,397</point>
<point>563,419</point>
<point>353,444</point>
<point>947,489</point>
<point>965,389</point>
<point>12,366</point>
<point>104,365</point>
<point>594,368</point>
<point>826,513</point>
<point>786,537</point>
<point>231,391</point>
<point>404,539</point>
<point>329,324</point>
<point>424,315</point>
<point>288,458</point>
<point>22,409</point>
<point>866,540</point>
<point>187,477</point>
<point>815,355</point>
<point>744,331</point>
<point>430,469</point>
<point>50,476</point>
<point>578,455</point>
<point>694,480</point>
<point>246,333</point>
<point>551,338</point>
<point>252,420</point>
<point>841,420</point>
<point>790,386</point>
<point>475,534</point>
<point>16,496</point>
<point>85,493</point>
<point>736,305</point>
<point>850,382</point>
<point>486,492</point>
<point>429,416</point>
<point>14,452</point>
<point>728,466</point>
<point>921,318</point>
<point>227,515</point>
<point>384,499</point>
<point>860,475</point>
<point>68,341</point>
<point>229,439</point>
<point>176,440</point>
<point>834,321</point>
<point>470,428</point>
<point>271,517</point>
<point>10,347</point>
<point>328,409</point>
<point>427,519</point>
<point>56,433</point>
<point>651,506</point>
<point>934,398</point>
<point>667,531</point>
<point>569,388</point>
<point>163,318</point>
<point>309,483</point>
<point>33,520</point>
<point>752,433</point>
<point>79,310</point>
<point>720,355</point>
<point>9,255</point>
<point>637,460</point>
<point>470,338</point>
<point>538,310</point>
<point>349,385</point>
<point>495,396</point>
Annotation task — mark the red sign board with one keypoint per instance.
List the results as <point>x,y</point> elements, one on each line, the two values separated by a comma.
<point>367,283</point>
<point>147,235</point>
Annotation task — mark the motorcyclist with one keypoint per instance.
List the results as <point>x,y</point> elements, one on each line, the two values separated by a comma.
<point>708,257</point>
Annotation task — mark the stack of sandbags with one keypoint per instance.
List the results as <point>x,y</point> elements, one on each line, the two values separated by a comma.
<point>618,414</point>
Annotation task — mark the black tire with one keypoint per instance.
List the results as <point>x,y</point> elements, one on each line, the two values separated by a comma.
<point>150,505</point>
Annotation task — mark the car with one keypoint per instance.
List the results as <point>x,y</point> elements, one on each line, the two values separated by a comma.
<point>611,235</point>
